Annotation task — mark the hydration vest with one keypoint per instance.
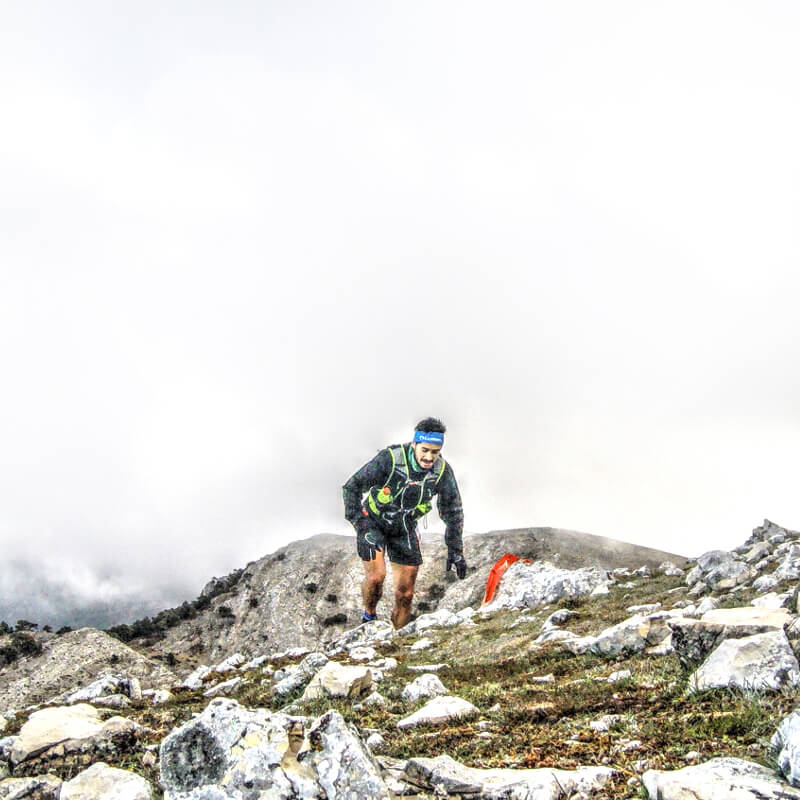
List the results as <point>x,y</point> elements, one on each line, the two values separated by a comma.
<point>402,500</point>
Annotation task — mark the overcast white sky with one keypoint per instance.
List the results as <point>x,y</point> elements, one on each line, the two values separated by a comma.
<point>243,245</point>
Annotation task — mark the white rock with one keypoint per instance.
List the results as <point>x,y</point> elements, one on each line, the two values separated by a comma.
<point>195,679</point>
<point>161,696</point>
<point>619,675</point>
<point>426,667</point>
<point>439,710</point>
<point>762,661</point>
<point>707,604</point>
<point>336,680</point>
<point>254,664</point>
<point>605,723</point>
<point>729,778</point>
<point>230,663</point>
<point>424,686</point>
<point>102,782</point>
<point>772,600</point>
<point>787,742</point>
<point>375,699</point>
<point>223,688</point>
<point>447,777</point>
<point>51,726</point>
<point>376,743</point>
<point>363,653</point>
<point>646,608</point>
<point>422,644</point>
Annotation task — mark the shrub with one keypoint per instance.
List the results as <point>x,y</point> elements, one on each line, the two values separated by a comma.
<point>336,619</point>
<point>311,587</point>
<point>253,602</point>
<point>225,612</point>
<point>331,598</point>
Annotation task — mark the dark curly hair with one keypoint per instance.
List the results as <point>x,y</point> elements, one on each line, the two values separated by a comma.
<point>431,425</point>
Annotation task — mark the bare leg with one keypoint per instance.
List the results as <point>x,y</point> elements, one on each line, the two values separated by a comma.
<point>372,585</point>
<point>404,577</point>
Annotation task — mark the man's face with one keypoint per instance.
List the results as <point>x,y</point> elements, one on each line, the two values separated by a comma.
<point>426,453</point>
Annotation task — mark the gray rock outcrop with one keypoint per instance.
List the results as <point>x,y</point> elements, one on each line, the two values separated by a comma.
<point>229,751</point>
<point>763,661</point>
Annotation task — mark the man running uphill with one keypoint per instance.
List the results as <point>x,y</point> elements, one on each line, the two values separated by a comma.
<point>384,500</point>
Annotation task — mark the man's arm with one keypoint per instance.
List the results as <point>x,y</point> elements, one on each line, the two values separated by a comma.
<point>452,513</point>
<point>374,472</point>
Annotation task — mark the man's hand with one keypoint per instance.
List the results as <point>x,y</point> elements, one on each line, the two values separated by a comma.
<point>366,542</point>
<point>456,560</point>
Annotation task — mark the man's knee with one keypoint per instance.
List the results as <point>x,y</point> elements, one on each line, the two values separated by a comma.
<point>404,594</point>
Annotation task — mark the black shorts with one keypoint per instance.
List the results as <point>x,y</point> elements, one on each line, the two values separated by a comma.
<point>401,547</point>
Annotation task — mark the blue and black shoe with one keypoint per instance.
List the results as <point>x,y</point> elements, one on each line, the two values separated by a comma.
<point>369,617</point>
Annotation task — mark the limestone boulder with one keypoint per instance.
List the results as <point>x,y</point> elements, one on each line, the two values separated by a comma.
<point>763,661</point>
<point>338,680</point>
<point>693,640</point>
<point>301,674</point>
<point>786,742</point>
<point>732,778</point>
<point>101,782</point>
<point>232,752</point>
<point>71,728</point>
<point>439,711</point>
<point>425,686</point>
<point>40,787</point>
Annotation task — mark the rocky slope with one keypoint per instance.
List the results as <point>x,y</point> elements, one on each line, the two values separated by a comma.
<point>652,682</point>
<point>308,593</point>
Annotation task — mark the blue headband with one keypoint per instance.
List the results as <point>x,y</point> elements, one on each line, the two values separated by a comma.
<point>429,438</point>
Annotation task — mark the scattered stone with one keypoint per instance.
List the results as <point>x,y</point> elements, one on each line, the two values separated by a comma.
<point>425,686</point>
<point>620,675</point>
<point>101,782</point>
<point>195,680</point>
<point>223,688</point>
<point>41,787</point>
<point>230,663</point>
<point>693,640</point>
<point>773,600</point>
<point>162,696</point>
<point>115,701</point>
<point>605,723</point>
<point>254,664</point>
<point>787,742</point>
<point>375,699</point>
<point>376,743</point>
<point>716,779</point>
<point>763,661</point>
<point>646,608</point>
<point>437,711</point>
<point>299,676</point>
<point>336,680</point>
<point>422,644</point>
<point>80,726</point>
<point>426,667</point>
<point>446,776</point>
<point>362,653</point>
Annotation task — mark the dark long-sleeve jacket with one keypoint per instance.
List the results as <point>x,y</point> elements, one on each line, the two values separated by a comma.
<point>375,474</point>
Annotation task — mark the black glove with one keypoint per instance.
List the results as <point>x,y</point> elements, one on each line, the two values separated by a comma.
<point>456,559</point>
<point>367,542</point>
